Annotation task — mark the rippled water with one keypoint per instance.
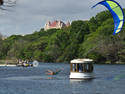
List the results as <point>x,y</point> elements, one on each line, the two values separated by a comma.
<point>110,79</point>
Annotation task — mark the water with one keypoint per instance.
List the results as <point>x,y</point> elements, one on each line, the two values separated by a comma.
<point>110,79</point>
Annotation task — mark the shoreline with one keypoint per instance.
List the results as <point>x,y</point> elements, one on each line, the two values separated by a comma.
<point>4,65</point>
<point>1,64</point>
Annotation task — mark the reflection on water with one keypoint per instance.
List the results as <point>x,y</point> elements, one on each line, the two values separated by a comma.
<point>110,79</point>
<point>75,81</point>
<point>116,77</point>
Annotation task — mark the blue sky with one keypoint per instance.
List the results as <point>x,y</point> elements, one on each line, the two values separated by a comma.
<point>31,15</point>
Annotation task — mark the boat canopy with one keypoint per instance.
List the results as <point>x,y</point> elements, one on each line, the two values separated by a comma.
<point>81,61</point>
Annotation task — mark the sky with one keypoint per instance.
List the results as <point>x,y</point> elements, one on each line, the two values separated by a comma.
<point>29,16</point>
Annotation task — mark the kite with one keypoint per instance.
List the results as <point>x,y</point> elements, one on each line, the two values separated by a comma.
<point>117,13</point>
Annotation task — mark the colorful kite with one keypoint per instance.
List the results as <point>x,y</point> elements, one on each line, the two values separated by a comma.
<point>117,13</point>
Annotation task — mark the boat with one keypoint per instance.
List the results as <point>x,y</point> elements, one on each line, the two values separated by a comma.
<point>28,64</point>
<point>81,69</point>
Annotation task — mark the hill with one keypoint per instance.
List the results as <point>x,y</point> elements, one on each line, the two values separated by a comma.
<point>83,39</point>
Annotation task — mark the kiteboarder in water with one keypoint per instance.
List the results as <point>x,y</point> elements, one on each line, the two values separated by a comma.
<point>50,72</point>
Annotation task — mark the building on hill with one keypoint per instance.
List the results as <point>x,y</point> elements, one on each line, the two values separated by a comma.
<point>56,25</point>
<point>3,37</point>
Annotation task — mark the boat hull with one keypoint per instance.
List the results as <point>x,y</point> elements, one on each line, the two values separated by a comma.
<point>74,75</point>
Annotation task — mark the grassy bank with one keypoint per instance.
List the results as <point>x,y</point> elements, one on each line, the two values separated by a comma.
<point>9,62</point>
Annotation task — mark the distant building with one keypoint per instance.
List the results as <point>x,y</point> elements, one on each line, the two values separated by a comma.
<point>56,24</point>
<point>4,37</point>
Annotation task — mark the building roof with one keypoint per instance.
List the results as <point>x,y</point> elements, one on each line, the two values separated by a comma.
<point>54,24</point>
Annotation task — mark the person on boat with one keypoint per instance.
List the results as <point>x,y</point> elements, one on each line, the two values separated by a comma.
<point>25,63</point>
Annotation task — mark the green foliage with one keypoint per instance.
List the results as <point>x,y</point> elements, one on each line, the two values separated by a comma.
<point>56,45</point>
<point>93,24</point>
<point>103,16</point>
<point>106,28</point>
<point>83,39</point>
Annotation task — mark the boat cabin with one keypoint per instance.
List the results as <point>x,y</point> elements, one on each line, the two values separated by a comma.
<point>81,68</point>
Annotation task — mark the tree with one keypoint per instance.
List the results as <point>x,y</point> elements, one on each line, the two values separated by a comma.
<point>1,36</point>
<point>93,24</point>
<point>1,2</point>
<point>7,3</point>
<point>103,16</point>
<point>56,46</point>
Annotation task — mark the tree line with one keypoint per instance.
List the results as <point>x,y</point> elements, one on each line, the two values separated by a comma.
<point>83,39</point>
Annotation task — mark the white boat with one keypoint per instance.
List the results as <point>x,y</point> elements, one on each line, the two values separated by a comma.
<point>28,64</point>
<point>81,69</point>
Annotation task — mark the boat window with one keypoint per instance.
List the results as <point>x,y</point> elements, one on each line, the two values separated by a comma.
<point>80,68</point>
<point>86,67</point>
<point>74,67</point>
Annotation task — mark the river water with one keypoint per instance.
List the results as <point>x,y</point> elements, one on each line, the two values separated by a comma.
<point>110,79</point>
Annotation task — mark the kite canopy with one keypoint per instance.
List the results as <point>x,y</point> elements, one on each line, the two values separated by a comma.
<point>117,13</point>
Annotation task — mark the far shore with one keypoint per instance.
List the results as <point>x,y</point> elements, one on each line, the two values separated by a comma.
<point>6,65</point>
<point>14,64</point>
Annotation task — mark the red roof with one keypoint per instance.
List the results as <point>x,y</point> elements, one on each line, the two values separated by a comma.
<point>53,24</point>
